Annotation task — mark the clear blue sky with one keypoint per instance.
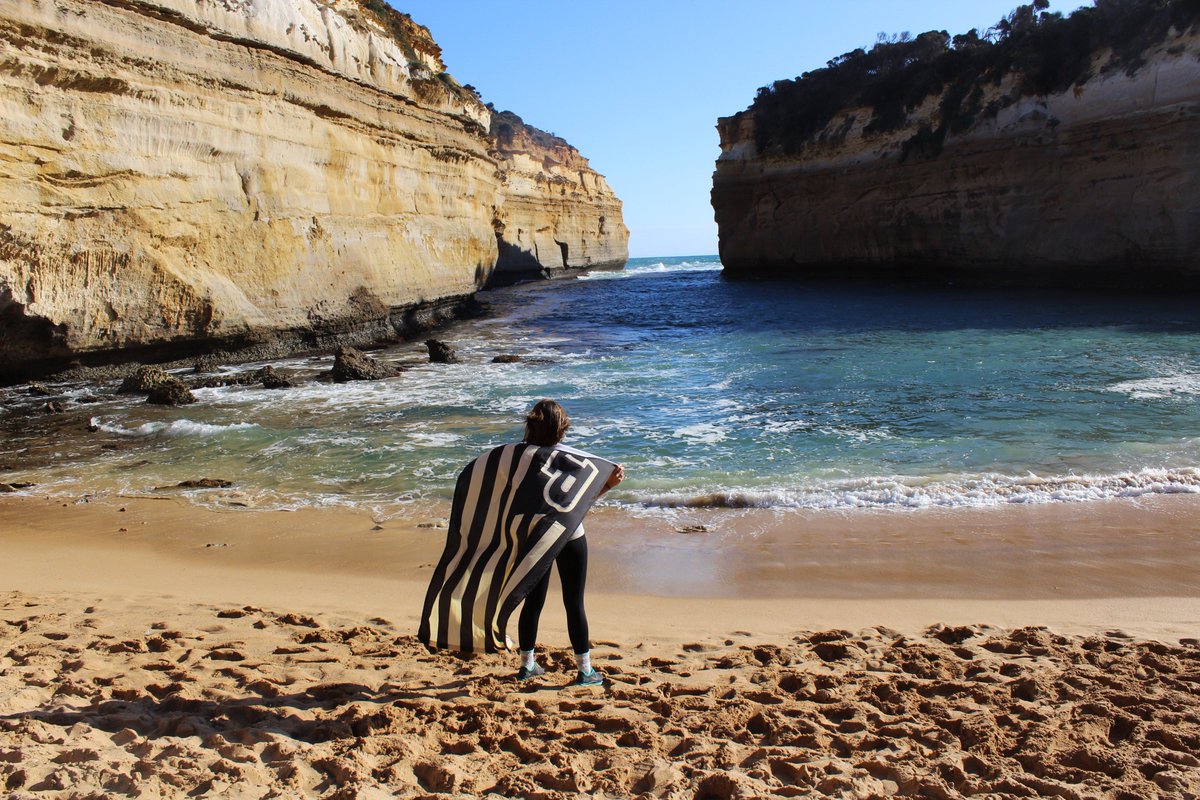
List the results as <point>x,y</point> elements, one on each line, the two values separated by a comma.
<point>638,86</point>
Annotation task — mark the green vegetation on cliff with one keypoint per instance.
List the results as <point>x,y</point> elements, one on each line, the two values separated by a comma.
<point>1045,52</point>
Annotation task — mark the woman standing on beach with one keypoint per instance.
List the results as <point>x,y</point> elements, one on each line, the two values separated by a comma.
<point>517,510</point>
<point>545,425</point>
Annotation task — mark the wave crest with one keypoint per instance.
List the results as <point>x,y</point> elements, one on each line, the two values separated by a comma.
<point>896,492</point>
<point>178,428</point>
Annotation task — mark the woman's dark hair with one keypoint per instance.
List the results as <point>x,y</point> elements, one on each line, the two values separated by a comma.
<point>546,423</point>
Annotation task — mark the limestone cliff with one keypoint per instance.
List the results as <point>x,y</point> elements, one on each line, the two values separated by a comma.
<point>187,174</point>
<point>557,213</point>
<point>1085,172</point>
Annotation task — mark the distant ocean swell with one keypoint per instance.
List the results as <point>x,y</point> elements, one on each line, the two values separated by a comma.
<point>676,266</point>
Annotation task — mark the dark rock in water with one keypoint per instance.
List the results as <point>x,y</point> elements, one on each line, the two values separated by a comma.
<point>352,365</point>
<point>172,392</point>
<point>205,483</point>
<point>93,398</point>
<point>216,383</point>
<point>274,380</point>
<point>145,379</point>
<point>440,352</point>
<point>508,358</point>
<point>54,407</point>
<point>93,427</point>
<point>201,483</point>
<point>206,364</point>
<point>39,390</point>
<point>239,379</point>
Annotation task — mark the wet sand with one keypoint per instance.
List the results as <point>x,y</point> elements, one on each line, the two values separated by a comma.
<point>1020,651</point>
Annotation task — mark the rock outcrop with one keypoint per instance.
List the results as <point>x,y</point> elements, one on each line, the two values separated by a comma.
<point>172,392</point>
<point>982,179</point>
<point>184,175</point>
<point>275,380</point>
<point>558,215</point>
<point>440,352</point>
<point>144,380</point>
<point>352,365</point>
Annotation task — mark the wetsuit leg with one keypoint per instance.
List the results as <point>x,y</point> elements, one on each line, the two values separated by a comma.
<point>572,572</point>
<point>531,612</point>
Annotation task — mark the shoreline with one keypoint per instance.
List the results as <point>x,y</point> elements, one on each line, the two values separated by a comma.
<point>369,332</point>
<point>1078,567</point>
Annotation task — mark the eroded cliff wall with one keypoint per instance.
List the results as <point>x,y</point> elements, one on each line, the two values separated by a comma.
<point>557,213</point>
<point>1099,183</point>
<point>200,173</point>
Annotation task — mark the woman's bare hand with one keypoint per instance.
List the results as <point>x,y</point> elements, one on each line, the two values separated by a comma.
<point>616,477</point>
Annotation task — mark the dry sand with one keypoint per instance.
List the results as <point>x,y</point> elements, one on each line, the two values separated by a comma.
<point>165,650</point>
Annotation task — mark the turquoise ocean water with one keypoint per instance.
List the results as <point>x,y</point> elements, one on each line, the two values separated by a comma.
<point>711,392</point>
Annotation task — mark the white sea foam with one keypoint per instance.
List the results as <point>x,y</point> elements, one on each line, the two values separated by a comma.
<point>654,269</point>
<point>980,491</point>
<point>856,434</point>
<point>435,439</point>
<point>178,428</point>
<point>1181,385</point>
<point>669,461</point>
<point>701,433</point>
<point>786,426</point>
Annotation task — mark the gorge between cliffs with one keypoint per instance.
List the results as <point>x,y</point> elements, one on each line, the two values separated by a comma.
<point>260,178</point>
<point>898,536</point>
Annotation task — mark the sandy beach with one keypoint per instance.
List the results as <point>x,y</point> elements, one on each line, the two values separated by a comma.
<point>158,649</point>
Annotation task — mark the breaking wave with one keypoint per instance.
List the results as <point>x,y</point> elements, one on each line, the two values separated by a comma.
<point>990,490</point>
<point>1184,385</point>
<point>696,265</point>
<point>178,428</point>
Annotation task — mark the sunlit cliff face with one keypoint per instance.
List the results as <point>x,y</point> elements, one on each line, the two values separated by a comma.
<point>229,173</point>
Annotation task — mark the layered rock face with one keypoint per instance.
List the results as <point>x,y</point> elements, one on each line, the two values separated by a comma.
<point>557,213</point>
<point>1099,184</point>
<point>200,173</point>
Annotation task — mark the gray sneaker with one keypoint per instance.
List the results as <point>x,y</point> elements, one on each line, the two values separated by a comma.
<point>524,673</point>
<point>590,678</point>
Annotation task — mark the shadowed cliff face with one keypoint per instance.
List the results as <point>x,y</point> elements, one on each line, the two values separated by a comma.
<point>183,174</point>
<point>557,213</point>
<point>1097,184</point>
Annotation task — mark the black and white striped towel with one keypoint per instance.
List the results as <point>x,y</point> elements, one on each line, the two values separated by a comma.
<point>514,509</point>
